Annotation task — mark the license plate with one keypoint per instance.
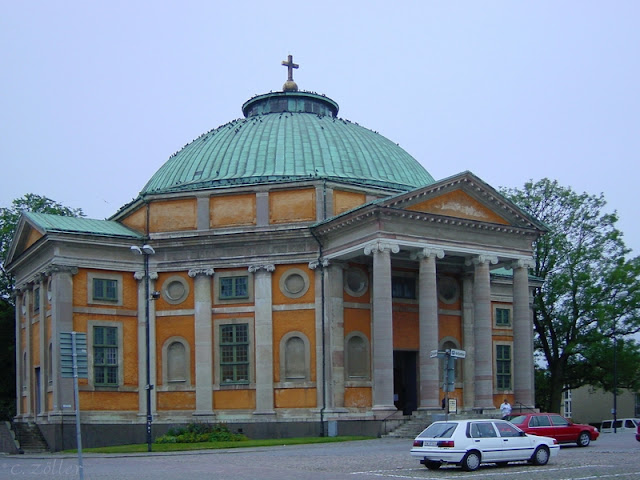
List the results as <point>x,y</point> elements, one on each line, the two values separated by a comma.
<point>429,444</point>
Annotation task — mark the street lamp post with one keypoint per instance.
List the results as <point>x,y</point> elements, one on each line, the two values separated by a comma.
<point>615,380</point>
<point>145,251</point>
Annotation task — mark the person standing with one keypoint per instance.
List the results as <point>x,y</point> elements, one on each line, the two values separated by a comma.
<point>505,409</point>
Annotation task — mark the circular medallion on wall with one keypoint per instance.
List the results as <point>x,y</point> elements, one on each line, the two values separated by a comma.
<point>356,281</point>
<point>448,289</point>
<point>294,283</point>
<point>175,290</point>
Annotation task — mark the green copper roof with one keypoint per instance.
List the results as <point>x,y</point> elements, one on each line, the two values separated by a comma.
<point>57,223</point>
<point>289,136</point>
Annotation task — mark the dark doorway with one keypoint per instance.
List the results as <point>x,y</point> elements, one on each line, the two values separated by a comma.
<point>405,381</point>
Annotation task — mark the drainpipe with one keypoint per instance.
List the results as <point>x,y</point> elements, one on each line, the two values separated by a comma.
<point>323,300</point>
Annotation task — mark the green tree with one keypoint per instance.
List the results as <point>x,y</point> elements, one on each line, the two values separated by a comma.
<point>9,218</point>
<point>591,290</point>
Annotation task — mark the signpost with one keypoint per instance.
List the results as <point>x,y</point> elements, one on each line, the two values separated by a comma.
<point>74,364</point>
<point>449,385</point>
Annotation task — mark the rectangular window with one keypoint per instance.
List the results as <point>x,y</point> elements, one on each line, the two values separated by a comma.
<point>105,355</point>
<point>503,367</point>
<point>403,287</point>
<point>503,317</point>
<point>234,353</point>
<point>234,287</point>
<point>105,289</point>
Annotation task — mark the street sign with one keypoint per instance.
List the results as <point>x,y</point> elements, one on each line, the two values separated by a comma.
<point>434,354</point>
<point>66,355</point>
<point>458,353</point>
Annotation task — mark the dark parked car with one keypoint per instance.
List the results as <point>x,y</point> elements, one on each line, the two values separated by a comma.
<point>556,426</point>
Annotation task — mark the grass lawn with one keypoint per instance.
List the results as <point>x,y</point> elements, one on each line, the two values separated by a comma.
<point>178,447</point>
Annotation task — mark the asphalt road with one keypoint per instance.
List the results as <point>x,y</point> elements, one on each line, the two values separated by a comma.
<point>612,456</point>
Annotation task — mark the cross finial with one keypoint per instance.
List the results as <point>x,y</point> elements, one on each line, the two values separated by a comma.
<point>290,66</point>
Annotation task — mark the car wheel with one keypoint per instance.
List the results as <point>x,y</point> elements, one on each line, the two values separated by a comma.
<point>471,461</point>
<point>540,456</point>
<point>584,439</point>
<point>431,465</point>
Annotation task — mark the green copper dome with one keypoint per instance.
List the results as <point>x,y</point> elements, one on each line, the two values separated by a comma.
<point>288,136</point>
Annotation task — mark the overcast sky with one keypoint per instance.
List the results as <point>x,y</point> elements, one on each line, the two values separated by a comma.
<point>96,96</point>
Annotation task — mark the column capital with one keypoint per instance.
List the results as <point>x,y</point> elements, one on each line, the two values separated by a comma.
<point>51,269</point>
<point>194,272</point>
<point>267,267</point>
<point>481,259</point>
<point>523,263</point>
<point>322,263</point>
<point>381,246</point>
<point>139,275</point>
<point>427,252</point>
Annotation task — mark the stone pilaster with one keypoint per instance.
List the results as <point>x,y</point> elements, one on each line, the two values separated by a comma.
<point>20,297</point>
<point>263,339</point>
<point>321,333</point>
<point>61,321</point>
<point>382,325</point>
<point>334,324</point>
<point>428,328</point>
<point>44,357</point>
<point>203,340</point>
<point>523,380</point>
<point>482,332</point>
<point>468,342</point>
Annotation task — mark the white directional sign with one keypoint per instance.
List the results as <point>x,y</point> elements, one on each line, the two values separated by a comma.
<point>458,353</point>
<point>434,354</point>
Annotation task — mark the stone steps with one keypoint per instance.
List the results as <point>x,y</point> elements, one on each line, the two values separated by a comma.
<point>30,438</point>
<point>421,420</point>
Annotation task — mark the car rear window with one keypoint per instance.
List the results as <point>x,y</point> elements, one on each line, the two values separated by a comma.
<point>518,419</point>
<point>439,430</point>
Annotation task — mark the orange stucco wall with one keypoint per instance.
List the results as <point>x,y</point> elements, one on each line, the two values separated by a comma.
<point>357,320</point>
<point>108,400</point>
<point>458,204</point>
<point>292,206</point>
<point>188,303</point>
<point>357,397</point>
<point>281,298</point>
<point>343,201</point>
<point>176,400</point>
<point>295,397</point>
<point>289,321</point>
<point>405,327</point>
<point>167,327</point>
<point>137,219</point>
<point>234,399</point>
<point>232,210</point>
<point>173,215</point>
<point>129,290</point>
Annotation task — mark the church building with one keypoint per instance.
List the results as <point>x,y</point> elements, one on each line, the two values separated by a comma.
<point>288,273</point>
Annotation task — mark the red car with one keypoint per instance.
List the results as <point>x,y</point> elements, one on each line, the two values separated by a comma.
<point>556,426</point>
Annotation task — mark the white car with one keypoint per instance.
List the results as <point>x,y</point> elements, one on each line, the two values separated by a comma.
<point>469,443</point>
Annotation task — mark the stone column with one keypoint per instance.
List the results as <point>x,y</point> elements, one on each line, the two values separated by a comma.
<point>482,332</point>
<point>468,343</point>
<point>334,325</point>
<point>61,321</point>
<point>522,336</point>
<point>428,328</point>
<point>142,342</point>
<point>20,297</point>
<point>42,316</point>
<point>382,325</point>
<point>263,338</point>
<point>203,330</point>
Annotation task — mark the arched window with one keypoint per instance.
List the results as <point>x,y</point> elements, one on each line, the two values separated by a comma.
<point>176,362</point>
<point>357,357</point>
<point>295,358</point>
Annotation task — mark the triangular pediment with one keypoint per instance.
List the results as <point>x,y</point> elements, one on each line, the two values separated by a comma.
<point>464,196</point>
<point>458,204</point>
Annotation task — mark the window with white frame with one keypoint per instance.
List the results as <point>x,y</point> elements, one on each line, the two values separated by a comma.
<point>502,316</point>
<point>104,288</point>
<point>105,356</point>
<point>234,353</point>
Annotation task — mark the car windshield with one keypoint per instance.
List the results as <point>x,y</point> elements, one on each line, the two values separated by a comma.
<point>439,430</point>
<point>518,419</point>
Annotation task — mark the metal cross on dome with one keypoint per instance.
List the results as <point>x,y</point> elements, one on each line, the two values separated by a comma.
<point>290,66</point>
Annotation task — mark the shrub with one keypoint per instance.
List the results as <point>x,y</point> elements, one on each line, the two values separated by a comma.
<point>200,432</point>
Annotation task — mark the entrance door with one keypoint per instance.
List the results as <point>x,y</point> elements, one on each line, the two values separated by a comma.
<point>38,393</point>
<point>405,381</point>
